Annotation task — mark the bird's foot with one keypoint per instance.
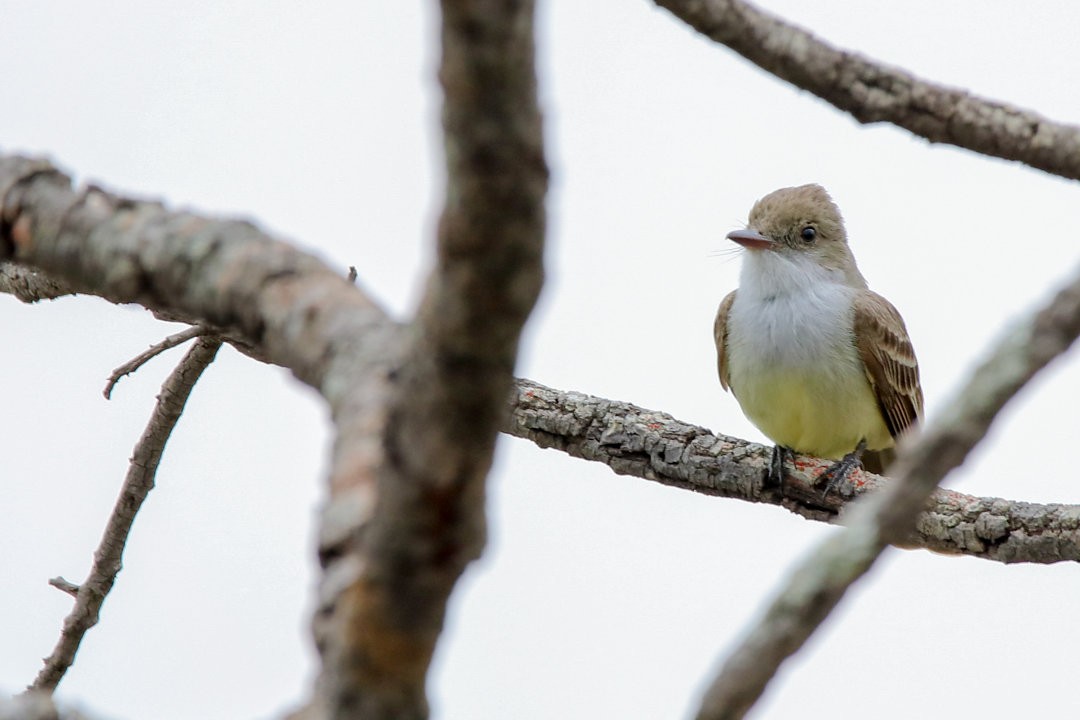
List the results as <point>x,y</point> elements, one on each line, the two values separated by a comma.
<point>835,473</point>
<point>774,475</point>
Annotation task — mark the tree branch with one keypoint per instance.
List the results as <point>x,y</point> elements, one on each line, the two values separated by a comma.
<point>872,92</point>
<point>422,522</point>
<point>817,585</point>
<point>30,285</point>
<point>225,274</point>
<point>290,307</point>
<point>90,596</point>
<point>655,446</point>
<point>153,351</point>
<point>36,706</point>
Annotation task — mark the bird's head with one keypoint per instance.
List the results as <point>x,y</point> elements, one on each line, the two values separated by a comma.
<point>801,223</point>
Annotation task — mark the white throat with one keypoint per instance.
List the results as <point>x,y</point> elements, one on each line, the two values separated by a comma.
<point>791,311</point>
<point>768,274</point>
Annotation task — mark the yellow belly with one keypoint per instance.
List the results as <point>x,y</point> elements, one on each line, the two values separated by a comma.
<point>815,413</point>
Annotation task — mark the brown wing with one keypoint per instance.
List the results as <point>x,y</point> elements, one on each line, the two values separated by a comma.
<point>889,361</point>
<point>720,335</point>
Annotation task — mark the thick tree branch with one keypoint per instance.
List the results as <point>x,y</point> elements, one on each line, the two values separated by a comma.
<point>818,584</point>
<point>424,519</point>
<point>224,274</point>
<point>873,92</point>
<point>30,285</point>
<point>655,446</point>
<point>90,596</point>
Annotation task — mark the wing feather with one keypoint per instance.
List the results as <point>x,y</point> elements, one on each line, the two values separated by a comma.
<point>889,361</point>
<point>720,335</point>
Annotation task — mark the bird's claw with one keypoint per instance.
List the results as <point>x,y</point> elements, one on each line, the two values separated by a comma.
<point>774,474</point>
<point>835,473</point>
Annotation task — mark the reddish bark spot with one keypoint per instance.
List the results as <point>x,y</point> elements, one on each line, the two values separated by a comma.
<point>21,236</point>
<point>654,426</point>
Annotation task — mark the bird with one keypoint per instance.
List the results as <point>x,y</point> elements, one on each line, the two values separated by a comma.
<point>821,364</point>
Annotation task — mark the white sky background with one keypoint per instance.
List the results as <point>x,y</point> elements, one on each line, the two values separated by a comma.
<point>599,595</point>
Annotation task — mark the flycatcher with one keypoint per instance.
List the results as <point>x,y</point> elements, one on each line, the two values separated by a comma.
<point>818,362</point>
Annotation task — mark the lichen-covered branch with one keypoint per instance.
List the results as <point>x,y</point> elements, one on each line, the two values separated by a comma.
<point>394,563</point>
<point>655,446</point>
<point>222,273</point>
<point>90,595</point>
<point>874,92</point>
<point>820,581</point>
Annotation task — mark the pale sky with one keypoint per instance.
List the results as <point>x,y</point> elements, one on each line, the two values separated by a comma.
<point>598,595</point>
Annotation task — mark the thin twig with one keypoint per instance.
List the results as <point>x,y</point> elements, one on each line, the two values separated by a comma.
<point>154,350</point>
<point>138,483</point>
<point>818,584</point>
<point>65,586</point>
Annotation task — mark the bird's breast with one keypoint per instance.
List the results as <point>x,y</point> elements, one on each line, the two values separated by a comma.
<point>794,330</point>
<point>797,374</point>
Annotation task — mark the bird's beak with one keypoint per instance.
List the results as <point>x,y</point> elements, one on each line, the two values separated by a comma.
<point>750,239</point>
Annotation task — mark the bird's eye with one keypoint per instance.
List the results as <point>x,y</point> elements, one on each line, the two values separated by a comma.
<point>808,234</point>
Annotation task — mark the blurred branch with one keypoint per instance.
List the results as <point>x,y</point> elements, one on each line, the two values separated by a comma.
<point>65,586</point>
<point>30,285</point>
<point>404,533</point>
<point>36,706</point>
<point>816,586</point>
<point>873,92</point>
<point>90,596</point>
<point>655,446</point>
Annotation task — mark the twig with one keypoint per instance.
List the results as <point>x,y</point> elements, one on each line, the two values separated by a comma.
<point>138,483</point>
<point>873,92</point>
<point>654,446</point>
<point>65,586</point>
<point>142,358</point>
<point>818,584</point>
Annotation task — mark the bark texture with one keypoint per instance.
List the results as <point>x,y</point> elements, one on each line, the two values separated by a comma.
<point>655,446</point>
